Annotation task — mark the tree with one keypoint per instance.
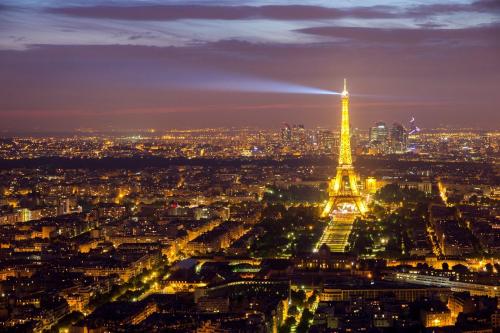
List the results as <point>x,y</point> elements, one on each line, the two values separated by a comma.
<point>459,268</point>
<point>67,321</point>
<point>287,325</point>
<point>293,310</point>
<point>312,299</point>
<point>378,211</point>
<point>422,265</point>
<point>304,321</point>
<point>473,199</point>
<point>389,193</point>
<point>298,297</point>
<point>445,266</point>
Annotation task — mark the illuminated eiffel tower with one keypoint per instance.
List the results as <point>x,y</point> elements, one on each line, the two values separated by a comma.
<point>345,201</point>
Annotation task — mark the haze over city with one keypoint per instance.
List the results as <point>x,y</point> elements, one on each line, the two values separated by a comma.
<point>126,65</point>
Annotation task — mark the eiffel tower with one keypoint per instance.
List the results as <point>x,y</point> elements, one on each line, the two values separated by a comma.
<point>345,201</point>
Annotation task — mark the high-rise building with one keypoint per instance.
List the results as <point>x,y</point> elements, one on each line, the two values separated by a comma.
<point>286,133</point>
<point>299,135</point>
<point>379,137</point>
<point>295,135</point>
<point>379,133</point>
<point>413,127</point>
<point>398,138</point>
<point>412,133</point>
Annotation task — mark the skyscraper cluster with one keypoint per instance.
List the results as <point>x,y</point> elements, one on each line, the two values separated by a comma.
<point>383,139</point>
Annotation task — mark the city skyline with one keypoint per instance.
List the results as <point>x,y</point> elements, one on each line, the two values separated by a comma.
<point>137,65</point>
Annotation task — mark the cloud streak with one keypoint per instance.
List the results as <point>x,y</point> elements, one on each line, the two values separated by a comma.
<point>178,12</point>
<point>160,12</point>
<point>486,35</point>
<point>479,6</point>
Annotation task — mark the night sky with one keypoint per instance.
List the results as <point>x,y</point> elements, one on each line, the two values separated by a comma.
<point>121,65</point>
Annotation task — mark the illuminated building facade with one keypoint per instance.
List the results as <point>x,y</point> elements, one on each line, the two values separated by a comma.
<point>379,134</point>
<point>398,138</point>
<point>345,199</point>
<point>345,202</point>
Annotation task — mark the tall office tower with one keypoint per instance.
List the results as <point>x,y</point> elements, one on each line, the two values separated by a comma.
<point>299,135</point>
<point>413,127</point>
<point>398,138</point>
<point>343,189</point>
<point>379,135</point>
<point>412,135</point>
<point>286,134</point>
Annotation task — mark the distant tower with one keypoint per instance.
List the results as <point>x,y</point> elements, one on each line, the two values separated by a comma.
<point>379,133</point>
<point>398,138</point>
<point>413,128</point>
<point>343,190</point>
<point>412,132</point>
<point>286,133</point>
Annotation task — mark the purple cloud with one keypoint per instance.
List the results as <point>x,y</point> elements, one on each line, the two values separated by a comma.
<point>274,12</point>
<point>482,35</point>
<point>176,12</point>
<point>480,6</point>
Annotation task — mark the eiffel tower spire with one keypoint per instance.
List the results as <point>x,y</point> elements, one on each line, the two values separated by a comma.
<point>345,157</point>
